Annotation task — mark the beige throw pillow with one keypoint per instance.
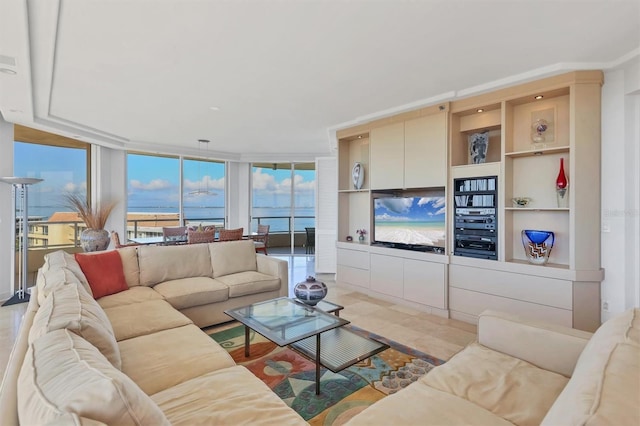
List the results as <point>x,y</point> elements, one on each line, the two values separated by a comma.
<point>71,307</point>
<point>63,373</point>
<point>230,257</point>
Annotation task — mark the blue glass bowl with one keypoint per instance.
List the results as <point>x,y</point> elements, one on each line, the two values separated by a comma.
<point>537,237</point>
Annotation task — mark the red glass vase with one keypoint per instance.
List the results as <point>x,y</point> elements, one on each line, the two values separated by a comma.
<point>562,186</point>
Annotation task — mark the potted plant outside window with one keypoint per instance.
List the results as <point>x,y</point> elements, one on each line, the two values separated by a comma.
<point>94,237</point>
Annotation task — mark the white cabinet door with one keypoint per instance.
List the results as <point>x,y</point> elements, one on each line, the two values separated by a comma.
<point>425,151</point>
<point>387,157</point>
<point>387,275</point>
<point>424,283</point>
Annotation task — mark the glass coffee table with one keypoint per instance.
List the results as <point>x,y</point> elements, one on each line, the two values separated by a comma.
<point>313,332</point>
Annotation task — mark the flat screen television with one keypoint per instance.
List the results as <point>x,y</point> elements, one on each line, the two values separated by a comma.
<point>410,222</point>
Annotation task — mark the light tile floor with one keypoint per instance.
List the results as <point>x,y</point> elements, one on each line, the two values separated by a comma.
<point>436,336</point>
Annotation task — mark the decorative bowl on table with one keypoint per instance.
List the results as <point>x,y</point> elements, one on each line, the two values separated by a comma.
<point>521,201</point>
<point>310,291</point>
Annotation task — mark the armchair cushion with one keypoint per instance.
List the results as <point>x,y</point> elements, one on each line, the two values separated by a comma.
<point>498,383</point>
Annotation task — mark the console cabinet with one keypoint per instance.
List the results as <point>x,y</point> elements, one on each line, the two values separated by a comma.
<point>430,147</point>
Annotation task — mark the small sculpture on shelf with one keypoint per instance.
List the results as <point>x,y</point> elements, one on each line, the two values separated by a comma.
<point>361,233</point>
<point>537,245</point>
<point>538,129</point>
<point>310,291</point>
<point>521,201</point>
<point>478,146</point>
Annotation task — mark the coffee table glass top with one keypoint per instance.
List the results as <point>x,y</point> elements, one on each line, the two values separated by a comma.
<point>285,320</point>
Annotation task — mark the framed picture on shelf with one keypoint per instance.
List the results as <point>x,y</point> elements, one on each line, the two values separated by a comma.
<point>543,127</point>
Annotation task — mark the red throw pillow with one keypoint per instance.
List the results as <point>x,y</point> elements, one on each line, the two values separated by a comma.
<point>104,272</point>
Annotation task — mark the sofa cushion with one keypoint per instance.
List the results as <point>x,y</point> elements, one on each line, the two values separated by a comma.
<point>230,257</point>
<point>129,256</point>
<point>133,295</point>
<point>419,404</point>
<point>64,373</point>
<point>498,383</point>
<point>61,258</point>
<point>203,400</point>
<point>605,380</point>
<point>188,292</point>
<point>164,263</point>
<point>243,283</point>
<point>164,359</point>
<point>49,280</point>
<point>138,319</point>
<point>71,307</point>
<point>103,271</point>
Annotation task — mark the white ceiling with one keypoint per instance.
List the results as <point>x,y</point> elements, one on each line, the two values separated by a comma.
<point>285,74</point>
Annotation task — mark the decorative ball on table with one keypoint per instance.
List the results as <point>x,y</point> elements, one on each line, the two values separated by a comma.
<point>310,291</point>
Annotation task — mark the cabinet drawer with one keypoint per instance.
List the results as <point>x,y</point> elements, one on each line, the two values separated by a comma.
<point>529,288</point>
<point>474,303</point>
<point>353,258</point>
<point>354,276</point>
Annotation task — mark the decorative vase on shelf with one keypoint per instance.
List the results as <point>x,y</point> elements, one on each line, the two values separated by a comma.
<point>310,291</point>
<point>537,245</point>
<point>361,238</point>
<point>357,174</point>
<point>562,187</point>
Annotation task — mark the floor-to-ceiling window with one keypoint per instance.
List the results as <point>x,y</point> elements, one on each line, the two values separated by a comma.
<point>203,192</point>
<point>153,194</point>
<point>283,197</point>
<point>154,199</point>
<point>63,165</point>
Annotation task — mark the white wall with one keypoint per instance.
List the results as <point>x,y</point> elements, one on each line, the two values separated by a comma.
<point>6,214</point>
<point>110,183</point>
<point>621,188</point>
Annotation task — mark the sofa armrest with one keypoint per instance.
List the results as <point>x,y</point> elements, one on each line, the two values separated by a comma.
<point>9,387</point>
<point>278,268</point>
<point>551,347</point>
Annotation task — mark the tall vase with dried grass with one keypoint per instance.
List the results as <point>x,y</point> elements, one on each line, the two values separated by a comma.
<point>95,237</point>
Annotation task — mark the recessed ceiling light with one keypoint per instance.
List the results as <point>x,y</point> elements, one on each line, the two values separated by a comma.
<point>538,97</point>
<point>214,108</point>
<point>359,136</point>
<point>480,110</point>
<point>8,71</point>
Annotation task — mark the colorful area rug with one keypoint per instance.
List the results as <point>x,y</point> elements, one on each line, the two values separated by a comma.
<point>342,394</point>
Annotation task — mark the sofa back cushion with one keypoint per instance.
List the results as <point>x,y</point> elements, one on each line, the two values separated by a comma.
<point>604,388</point>
<point>51,275</point>
<point>230,257</point>
<point>63,373</point>
<point>129,256</point>
<point>164,263</point>
<point>71,307</point>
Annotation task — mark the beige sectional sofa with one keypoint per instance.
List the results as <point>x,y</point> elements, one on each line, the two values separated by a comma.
<point>526,373</point>
<point>139,357</point>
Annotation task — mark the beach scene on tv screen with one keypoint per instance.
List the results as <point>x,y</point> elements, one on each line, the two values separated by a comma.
<point>410,220</point>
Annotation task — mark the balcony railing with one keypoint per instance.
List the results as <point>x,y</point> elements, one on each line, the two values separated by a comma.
<point>43,234</point>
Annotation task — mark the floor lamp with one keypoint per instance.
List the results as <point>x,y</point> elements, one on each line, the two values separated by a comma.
<point>20,189</point>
